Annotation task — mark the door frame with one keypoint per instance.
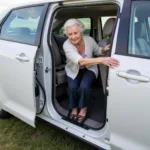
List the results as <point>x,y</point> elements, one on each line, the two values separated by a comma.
<point>37,38</point>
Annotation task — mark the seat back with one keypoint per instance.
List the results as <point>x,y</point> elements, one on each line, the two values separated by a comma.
<point>59,65</point>
<point>25,35</point>
<point>142,46</point>
<point>60,41</point>
<point>107,32</point>
<point>58,60</point>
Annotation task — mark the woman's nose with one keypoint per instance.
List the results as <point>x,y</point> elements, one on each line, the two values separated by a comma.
<point>73,37</point>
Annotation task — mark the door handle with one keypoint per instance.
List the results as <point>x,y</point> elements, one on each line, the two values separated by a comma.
<point>22,57</point>
<point>133,77</point>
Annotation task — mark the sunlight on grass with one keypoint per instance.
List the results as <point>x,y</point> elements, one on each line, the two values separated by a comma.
<point>16,135</point>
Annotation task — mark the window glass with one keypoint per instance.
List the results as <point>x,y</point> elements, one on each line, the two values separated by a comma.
<point>21,25</point>
<point>139,39</point>
<point>87,24</point>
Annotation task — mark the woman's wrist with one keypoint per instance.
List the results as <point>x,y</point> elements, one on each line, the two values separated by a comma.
<point>103,52</point>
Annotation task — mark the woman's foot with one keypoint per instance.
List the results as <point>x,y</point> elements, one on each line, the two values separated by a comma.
<point>74,113</point>
<point>82,115</point>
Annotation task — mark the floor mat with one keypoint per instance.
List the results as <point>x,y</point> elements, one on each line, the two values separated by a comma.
<point>96,105</point>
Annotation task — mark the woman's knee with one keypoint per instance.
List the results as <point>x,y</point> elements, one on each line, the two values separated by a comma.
<point>87,79</point>
<point>85,85</point>
<point>72,84</point>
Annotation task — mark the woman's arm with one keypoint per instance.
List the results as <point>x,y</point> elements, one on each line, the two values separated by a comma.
<point>97,50</point>
<point>108,61</point>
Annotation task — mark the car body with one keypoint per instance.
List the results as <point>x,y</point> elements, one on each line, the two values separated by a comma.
<point>31,81</point>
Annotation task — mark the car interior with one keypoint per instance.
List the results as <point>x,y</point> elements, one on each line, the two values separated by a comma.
<point>100,26</point>
<point>141,29</point>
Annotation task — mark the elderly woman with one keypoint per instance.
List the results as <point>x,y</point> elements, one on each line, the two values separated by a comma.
<point>81,67</point>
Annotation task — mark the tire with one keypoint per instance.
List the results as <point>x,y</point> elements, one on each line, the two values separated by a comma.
<point>4,114</point>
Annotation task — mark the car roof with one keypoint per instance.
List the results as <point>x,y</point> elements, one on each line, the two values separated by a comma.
<point>32,2</point>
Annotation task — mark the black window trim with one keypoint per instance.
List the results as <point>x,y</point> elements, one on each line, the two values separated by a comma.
<point>40,25</point>
<point>124,29</point>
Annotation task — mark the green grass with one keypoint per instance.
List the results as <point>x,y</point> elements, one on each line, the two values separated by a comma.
<point>17,135</point>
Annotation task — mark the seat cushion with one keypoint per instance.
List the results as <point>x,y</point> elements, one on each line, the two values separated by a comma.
<point>104,42</point>
<point>61,77</point>
<point>60,67</point>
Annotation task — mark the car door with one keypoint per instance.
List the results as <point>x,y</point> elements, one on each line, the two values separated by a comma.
<point>19,41</point>
<point>129,84</point>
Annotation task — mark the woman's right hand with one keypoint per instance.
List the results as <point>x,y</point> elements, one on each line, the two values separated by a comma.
<point>109,61</point>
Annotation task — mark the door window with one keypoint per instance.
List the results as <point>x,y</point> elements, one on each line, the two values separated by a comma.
<point>139,36</point>
<point>21,25</point>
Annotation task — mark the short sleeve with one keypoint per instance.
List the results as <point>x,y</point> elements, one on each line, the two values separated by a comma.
<point>71,53</point>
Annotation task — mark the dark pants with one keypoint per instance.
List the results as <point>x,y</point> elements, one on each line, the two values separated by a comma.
<point>79,89</point>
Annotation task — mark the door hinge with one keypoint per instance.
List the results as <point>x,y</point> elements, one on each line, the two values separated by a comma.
<point>39,62</point>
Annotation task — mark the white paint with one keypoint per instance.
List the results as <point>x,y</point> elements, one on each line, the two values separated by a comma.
<point>4,4</point>
<point>15,98</point>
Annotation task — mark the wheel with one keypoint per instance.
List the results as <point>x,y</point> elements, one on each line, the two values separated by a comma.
<point>4,114</point>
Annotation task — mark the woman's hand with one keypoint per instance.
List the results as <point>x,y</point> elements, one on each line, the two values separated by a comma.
<point>109,61</point>
<point>105,49</point>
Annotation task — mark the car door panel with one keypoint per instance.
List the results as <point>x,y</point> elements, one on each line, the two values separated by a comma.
<point>128,103</point>
<point>20,36</point>
<point>128,85</point>
<point>17,80</point>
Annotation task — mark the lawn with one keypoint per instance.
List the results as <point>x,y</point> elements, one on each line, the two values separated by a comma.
<point>17,135</point>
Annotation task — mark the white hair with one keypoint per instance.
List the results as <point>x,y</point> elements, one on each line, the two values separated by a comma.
<point>69,23</point>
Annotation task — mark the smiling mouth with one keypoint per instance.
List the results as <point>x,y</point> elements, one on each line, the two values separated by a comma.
<point>74,40</point>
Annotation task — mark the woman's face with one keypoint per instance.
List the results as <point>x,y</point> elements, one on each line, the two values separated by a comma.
<point>74,34</point>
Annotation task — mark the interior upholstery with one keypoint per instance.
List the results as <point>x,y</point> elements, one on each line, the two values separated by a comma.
<point>108,27</point>
<point>57,55</point>
<point>60,39</point>
<point>60,66</point>
<point>97,103</point>
<point>81,12</point>
<point>25,35</point>
<point>142,46</point>
<point>107,32</point>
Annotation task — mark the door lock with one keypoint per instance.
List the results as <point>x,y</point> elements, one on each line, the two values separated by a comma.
<point>47,69</point>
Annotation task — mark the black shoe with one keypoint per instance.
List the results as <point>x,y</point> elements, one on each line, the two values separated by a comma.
<point>72,117</point>
<point>81,119</point>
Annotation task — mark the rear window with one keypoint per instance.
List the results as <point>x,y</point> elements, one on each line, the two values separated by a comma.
<point>87,24</point>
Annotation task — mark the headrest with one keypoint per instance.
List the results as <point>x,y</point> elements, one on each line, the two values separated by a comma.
<point>108,27</point>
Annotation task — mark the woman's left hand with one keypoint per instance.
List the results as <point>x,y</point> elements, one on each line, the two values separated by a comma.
<point>105,49</point>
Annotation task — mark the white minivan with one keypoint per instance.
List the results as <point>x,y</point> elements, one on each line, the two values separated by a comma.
<point>33,80</point>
